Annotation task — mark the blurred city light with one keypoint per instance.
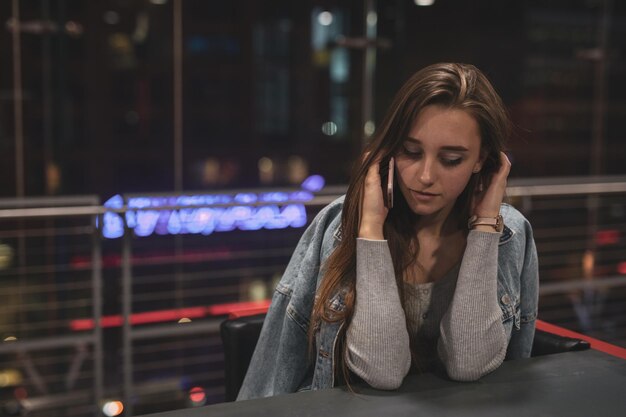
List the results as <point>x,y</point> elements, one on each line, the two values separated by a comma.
<point>369,128</point>
<point>112,408</point>
<point>339,70</point>
<point>329,128</point>
<point>197,396</point>
<point>372,18</point>
<point>424,2</point>
<point>6,255</point>
<point>314,183</point>
<point>607,237</point>
<point>588,263</point>
<point>73,29</point>
<point>266,170</point>
<point>10,378</point>
<point>265,164</point>
<point>325,18</point>
<point>257,290</point>
<point>297,169</point>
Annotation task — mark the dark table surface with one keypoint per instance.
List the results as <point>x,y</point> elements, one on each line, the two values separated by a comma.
<point>586,384</point>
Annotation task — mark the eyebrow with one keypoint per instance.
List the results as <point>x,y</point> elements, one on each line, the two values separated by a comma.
<point>445,148</point>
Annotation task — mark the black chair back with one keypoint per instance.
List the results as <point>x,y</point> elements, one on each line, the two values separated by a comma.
<point>548,343</point>
<point>239,337</point>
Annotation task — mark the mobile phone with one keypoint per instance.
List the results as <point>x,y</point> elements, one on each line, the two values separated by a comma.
<point>386,179</point>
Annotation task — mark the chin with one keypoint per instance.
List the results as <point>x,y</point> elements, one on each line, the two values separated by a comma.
<point>422,210</point>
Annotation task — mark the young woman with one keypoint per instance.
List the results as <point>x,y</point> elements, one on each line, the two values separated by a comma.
<point>443,279</point>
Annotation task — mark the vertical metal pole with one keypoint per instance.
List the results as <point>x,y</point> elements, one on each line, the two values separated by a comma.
<point>178,95</point>
<point>46,81</point>
<point>127,343</point>
<point>369,67</point>
<point>599,119</point>
<point>96,278</point>
<point>17,102</point>
<point>19,148</point>
<point>178,130</point>
<point>599,93</point>
<point>590,299</point>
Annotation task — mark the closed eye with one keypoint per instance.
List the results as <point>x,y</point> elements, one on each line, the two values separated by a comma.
<point>451,161</point>
<point>448,160</point>
<point>411,152</point>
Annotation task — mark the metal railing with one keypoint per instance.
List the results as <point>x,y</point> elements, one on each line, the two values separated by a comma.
<point>145,312</point>
<point>41,293</point>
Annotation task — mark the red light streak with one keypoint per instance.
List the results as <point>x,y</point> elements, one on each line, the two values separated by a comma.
<point>160,316</point>
<point>607,237</point>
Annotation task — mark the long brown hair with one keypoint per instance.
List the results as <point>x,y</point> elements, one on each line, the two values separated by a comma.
<point>451,85</point>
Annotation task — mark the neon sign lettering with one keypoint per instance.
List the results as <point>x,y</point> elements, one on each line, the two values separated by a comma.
<point>274,214</point>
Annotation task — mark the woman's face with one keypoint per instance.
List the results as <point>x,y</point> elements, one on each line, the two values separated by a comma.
<point>437,159</point>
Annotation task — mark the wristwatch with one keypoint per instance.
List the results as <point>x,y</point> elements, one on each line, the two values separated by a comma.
<point>496,222</point>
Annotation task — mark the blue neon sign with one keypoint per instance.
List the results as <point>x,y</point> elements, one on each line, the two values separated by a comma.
<point>275,214</point>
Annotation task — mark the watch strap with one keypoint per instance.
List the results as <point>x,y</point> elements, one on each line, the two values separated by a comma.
<point>496,222</point>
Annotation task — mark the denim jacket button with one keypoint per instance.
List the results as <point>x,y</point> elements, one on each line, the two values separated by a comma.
<point>506,299</point>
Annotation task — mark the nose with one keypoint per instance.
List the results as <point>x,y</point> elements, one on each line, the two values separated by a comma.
<point>426,174</point>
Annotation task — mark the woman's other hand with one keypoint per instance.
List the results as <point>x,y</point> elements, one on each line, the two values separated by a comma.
<point>486,203</point>
<point>373,210</point>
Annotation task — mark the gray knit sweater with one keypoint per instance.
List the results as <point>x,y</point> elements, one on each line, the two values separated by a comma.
<point>455,322</point>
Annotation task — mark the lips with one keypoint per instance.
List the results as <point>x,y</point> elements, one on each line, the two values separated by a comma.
<point>424,193</point>
<point>423,196</point>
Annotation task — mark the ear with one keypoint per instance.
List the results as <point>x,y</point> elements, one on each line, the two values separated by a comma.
<point>479,164</point>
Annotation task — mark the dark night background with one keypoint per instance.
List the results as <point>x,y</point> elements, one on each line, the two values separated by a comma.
<point>98,102</point>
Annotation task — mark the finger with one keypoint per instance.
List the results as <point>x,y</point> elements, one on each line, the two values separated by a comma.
<point>505,163</point>
<point>373,174</point>
<point>502,173</point>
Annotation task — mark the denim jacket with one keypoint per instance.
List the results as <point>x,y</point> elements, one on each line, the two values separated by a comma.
<point>281,362</point>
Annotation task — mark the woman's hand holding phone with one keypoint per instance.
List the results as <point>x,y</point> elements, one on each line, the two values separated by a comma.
<point>373,208</point>
<point>486,203</point>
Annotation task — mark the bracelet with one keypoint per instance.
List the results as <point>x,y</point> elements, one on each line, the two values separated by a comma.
<point>496,222</point>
